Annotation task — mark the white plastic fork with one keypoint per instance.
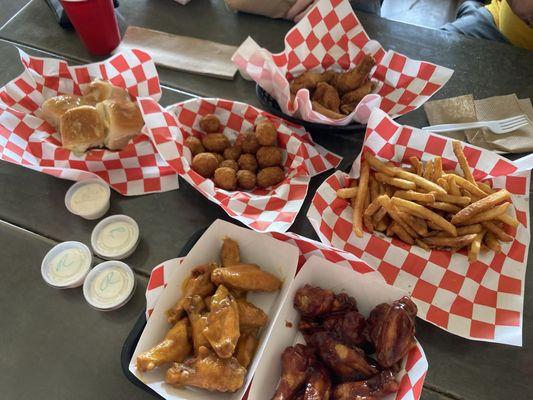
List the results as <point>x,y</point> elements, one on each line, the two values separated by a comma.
<point>499,126</point>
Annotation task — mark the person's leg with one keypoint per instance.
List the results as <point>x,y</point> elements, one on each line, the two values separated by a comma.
<point>474,20</point>
<point>369,6</point>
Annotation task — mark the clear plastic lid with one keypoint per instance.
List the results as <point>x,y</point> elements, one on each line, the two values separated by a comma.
<point>109,285</point>
<point>88,198</point>
<point>115,237</point>
<point>66,265</point>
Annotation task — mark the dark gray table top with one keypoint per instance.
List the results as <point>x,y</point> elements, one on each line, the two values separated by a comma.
<point>54,346</point>
<point>459,369</point>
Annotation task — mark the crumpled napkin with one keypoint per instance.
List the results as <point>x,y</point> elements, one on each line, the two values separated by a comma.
<point>467,109</point>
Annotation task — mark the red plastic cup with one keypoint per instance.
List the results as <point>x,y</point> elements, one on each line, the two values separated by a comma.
<point>96,24</point>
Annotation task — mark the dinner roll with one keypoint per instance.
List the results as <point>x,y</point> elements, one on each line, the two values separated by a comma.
<point>81,128</point>
<point>122,120</point>
<point>99,90</point>
<point>53,108</point>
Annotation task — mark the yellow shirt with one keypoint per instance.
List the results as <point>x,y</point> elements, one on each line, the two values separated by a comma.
<point>510,25</point>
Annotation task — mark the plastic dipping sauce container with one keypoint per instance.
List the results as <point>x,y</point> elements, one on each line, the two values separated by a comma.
<point>66,265</point>
<point>89,199</point>
<point>115,237</point>
<point>109,285</point>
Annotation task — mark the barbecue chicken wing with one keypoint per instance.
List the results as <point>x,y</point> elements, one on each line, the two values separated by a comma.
<point>199,283</point>
<point>347,363</point>
<point>391,328</point>
<point>229,253</point>
<point>196,310</point>
<point>209,372</point>
<point>314,301</point>
<point>295,362</point>
<point>374,388</point>
<point>174,347</point>
<point>222,329</point>
<point>318,386</point>
<point>347,327</point>
<point>248,277</point>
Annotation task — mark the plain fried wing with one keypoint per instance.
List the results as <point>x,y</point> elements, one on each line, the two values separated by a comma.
<point>309,80</point>
<point>199,283</point>
<point>174,347</point>
<point>209,372</point>
<point>295,361</point>
<point>248,277</point>
<point>327,95</point>
<point>222,329</point>
<point>351,80</point>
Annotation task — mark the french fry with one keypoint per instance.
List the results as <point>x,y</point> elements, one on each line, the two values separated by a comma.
<point>419,181</point>
<point>458,151</point>
<point>454,189</point>
<point>360,200</point>
<point>485,187</point>
<point>417,224</point>
<point>382,225</point>
<point>425,213</point>
<point>347,193</point>
<point>437,168</point>
<point>434,226</point>
<point>396,182</point>
<point>498,232</point>
<point>393,213</point>
<point>509,220</point>
<point>448,198</point>
<point>462,182</point>
<point>417,165</point>
<point>481,205</point>
<point>475,246</point>
<point>373,187</point>
<point>443,206</point>
<point>488,215</point>
<point>465,230</point>
<point>492,242</point>
<point>378,165</point>
<point>374,207</point>
<point>428,170</point>
<point>389,190</point>
<point>420,243</point>
<point>399,231</point>
<point>415,196</point>
<point>456,242</point>
<point>443,183</point>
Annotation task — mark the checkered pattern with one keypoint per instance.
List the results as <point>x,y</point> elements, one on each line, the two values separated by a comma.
<point>331,36</point>
<point>481,301</point>
<point>415,365</point>
<point>262,210</point>
<point>28,140</point>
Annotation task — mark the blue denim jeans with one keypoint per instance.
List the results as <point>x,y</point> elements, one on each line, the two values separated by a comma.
<point>474,20</point>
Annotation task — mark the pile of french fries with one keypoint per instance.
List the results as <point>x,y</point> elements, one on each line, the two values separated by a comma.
<point>429,207</point>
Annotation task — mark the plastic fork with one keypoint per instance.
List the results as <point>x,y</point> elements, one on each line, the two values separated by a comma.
<point>499,126</point>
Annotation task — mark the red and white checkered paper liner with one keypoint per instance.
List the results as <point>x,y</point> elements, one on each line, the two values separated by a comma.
<point>414,371</point>
<point>261,209</point>
<point>331,36</point>
<point>28,140</point>
<point>482,300</point>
